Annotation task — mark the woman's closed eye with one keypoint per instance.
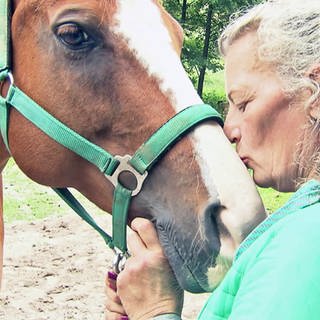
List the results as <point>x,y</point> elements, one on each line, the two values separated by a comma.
<point>242,106</point>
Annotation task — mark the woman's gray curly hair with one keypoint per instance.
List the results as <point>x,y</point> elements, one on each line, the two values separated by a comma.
<point>288,34</point>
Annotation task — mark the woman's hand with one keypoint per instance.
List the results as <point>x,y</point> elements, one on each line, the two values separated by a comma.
<point>147,286</point>
<point>114,308</point>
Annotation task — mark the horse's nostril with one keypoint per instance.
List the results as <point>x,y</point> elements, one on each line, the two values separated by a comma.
<point>209,225</point>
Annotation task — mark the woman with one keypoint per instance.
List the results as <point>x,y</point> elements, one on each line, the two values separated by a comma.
<point>272,63</point>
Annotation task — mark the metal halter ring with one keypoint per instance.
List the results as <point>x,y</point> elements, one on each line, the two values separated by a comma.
<point>7,76</point>
<point>10,77</point>
<point>119,261</point>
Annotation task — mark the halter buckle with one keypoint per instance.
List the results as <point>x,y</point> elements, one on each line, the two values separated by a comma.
<point>124,166</point>
<point>4,75</point>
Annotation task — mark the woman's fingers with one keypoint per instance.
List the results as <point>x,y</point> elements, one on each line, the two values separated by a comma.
<point>113,304</point>
<point>111,280</point>
<point>147,235</point>
<point>135,243</point>
<point>147,286</point>
<point>115,316</point>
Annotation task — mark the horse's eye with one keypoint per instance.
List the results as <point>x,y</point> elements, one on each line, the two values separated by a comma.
<point>72,36</point>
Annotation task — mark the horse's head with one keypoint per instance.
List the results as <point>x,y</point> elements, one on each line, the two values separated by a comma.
<point>110,70</point>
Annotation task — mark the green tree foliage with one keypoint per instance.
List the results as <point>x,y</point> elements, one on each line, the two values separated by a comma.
<point>203,21</point>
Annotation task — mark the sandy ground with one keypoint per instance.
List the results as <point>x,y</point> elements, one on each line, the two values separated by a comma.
<point>54,269</point>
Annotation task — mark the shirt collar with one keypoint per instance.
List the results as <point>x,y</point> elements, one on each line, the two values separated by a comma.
<point>305,196</point>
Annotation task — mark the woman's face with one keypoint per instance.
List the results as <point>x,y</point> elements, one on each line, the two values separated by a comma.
<point>263,123</point>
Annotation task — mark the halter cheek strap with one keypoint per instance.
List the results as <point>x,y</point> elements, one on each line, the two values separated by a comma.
<point>111,166</point>
<point>5,14</point>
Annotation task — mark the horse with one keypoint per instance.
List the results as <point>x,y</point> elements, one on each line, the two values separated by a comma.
<point>110,70</point>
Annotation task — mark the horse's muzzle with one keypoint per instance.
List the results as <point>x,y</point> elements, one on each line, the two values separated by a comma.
<point>191,246</point>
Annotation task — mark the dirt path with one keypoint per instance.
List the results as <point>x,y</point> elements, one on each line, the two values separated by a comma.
<point>54,269</point>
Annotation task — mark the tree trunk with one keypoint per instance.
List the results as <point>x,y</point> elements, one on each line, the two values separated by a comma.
<point>184,12</point>
<point>205,52</point>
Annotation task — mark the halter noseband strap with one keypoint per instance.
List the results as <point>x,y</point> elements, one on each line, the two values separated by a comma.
<point>112,166</point>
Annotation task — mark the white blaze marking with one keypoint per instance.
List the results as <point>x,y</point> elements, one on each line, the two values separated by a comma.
<point>141,24</point>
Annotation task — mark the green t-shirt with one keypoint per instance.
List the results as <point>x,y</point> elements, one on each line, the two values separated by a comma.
<point>275,275</point>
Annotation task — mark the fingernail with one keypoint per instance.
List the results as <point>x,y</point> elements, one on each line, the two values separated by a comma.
<point>112,286</point>
<point>124,318</point>
<point>112,275</point>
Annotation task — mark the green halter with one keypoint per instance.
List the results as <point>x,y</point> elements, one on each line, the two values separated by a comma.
<point>111,166</point>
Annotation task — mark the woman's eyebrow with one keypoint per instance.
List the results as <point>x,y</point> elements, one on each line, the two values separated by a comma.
<point>230,93</point>
<point>233,93</point>
<point>239,92</point>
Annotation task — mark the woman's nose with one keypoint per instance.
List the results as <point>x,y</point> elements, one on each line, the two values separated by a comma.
<point>232,129</point>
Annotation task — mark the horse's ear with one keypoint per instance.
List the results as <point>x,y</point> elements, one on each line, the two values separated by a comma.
<point>160,2</point>
<point>179,36</point>
<point>173,25</point>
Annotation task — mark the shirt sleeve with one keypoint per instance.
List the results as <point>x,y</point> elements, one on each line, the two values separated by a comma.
<point>283,281</point>
<point>167,316</point>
